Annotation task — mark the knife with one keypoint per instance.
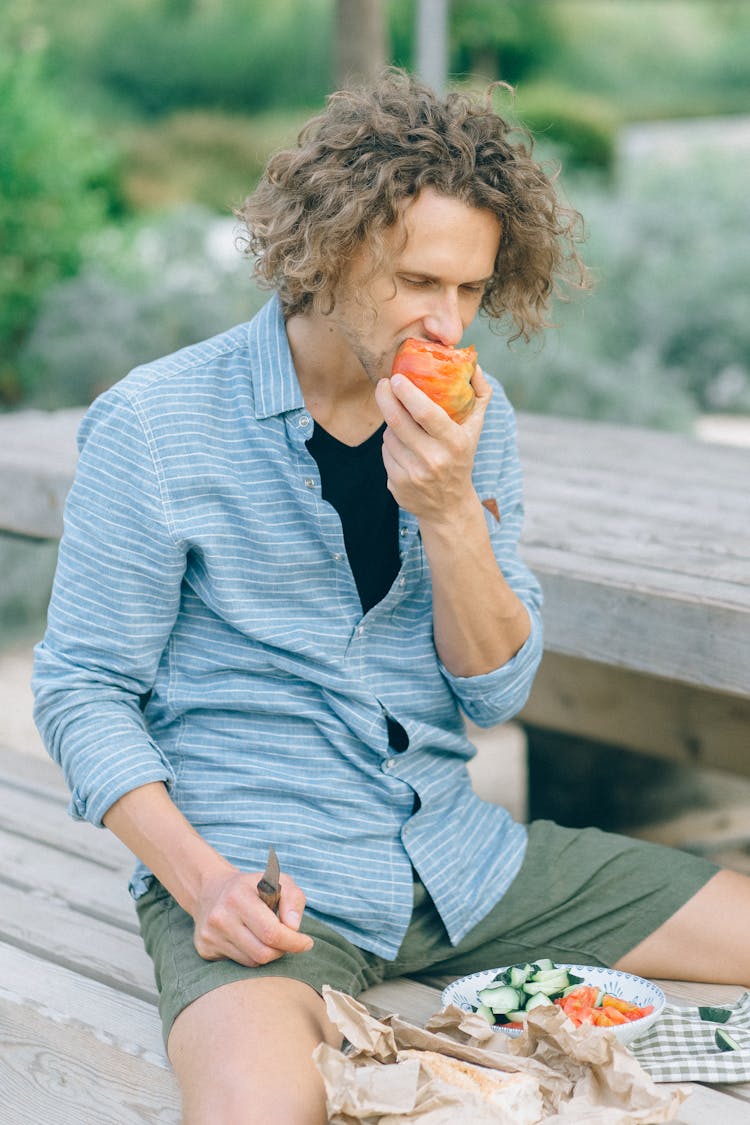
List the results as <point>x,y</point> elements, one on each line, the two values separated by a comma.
<point>268,885</point>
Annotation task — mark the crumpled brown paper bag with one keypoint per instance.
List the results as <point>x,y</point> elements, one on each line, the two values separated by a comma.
<point>584,1077</point>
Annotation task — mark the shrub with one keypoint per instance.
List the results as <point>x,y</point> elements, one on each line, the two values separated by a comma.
<point>583,127</point>
<point>665,332</point>
<point>240,55</point>
<point>53,174</point>
<point>139,296</point>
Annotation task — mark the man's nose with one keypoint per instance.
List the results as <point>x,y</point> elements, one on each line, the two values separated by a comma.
<point>443,322</point>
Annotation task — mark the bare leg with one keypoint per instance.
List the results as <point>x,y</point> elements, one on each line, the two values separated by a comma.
<point>708,939</point>
<point>241,1054</point>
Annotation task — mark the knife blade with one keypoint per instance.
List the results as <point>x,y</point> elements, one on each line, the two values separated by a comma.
<point>268,885</point>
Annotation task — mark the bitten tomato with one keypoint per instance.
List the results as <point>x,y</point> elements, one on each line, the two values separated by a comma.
<point>443,373</point>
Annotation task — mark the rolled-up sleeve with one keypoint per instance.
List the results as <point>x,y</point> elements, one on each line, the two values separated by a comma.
<point>114,602</point>
<point>497,696</point>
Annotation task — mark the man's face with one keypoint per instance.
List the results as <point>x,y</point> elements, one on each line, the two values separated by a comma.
<point>431,286</point>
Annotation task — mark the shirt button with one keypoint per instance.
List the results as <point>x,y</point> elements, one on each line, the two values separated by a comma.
<point>404,532</point>
<point>360,630</point>
<point>388,764</point>
<point>337,557</point>
<point>304,421</point>
<point>402,582</point>
<point>309,482</point>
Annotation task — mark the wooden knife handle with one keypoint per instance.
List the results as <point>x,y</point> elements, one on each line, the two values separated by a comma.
<point>269,894</point>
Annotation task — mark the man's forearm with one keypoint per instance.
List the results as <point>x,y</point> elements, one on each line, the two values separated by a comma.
<point>479,622</point>
<point>150,824</point>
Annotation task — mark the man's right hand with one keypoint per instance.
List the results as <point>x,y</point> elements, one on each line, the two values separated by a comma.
<point>231,920</point>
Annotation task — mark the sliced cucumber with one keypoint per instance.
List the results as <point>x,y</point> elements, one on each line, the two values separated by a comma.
<point>551,985</point>
<point>501,998</point>
<point>715,1015</point>
<point>519,974</point>
<point>724,1041</point>
<point>520,988</point>
<point>540,1000</point>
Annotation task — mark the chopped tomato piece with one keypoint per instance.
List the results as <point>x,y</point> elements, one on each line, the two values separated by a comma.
<point>580,1006</point>
<point>614,1015</point>
<point>582,997</point>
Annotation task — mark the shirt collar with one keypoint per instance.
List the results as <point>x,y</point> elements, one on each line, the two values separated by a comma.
<point>272,373</point>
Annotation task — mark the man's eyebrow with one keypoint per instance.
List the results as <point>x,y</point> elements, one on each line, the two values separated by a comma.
<point>436,277</point>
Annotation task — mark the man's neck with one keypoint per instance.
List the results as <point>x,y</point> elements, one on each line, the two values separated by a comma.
<point>337,390</point>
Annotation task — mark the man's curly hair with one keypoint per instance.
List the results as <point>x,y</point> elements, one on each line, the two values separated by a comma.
<point>374,148</point>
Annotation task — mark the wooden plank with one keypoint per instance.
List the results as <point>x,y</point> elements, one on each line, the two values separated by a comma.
<point>126,1022</point>
<point>60,1074</point>
<point>82,885</point>
<point>74,1050</point>
<point>640,538</point>
<point>415,1001</point>
<point>641,542</point>
<point>603,620</point>
<point>34,773</point>
<point>691,993</point>
<point>89,946</point>
<point>618,706</point>
<point>706,1106</point>
<point>33,816</point>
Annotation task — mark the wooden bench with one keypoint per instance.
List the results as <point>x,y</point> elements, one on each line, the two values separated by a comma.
<point>80,1037</point>
<point>641,540</point>
<point>642,543</point>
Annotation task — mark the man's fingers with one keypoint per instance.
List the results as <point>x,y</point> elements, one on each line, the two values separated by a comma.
<point>238,924</point>
<point>291,904</point>
<point>417,407</point>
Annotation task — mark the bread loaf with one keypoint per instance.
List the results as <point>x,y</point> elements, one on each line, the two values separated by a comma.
<point>516,1095</point>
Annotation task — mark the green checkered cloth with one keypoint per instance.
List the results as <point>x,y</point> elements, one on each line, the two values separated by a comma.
<point>681,1046</point>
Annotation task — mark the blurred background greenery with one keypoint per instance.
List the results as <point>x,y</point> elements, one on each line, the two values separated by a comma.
<point>129,130</point>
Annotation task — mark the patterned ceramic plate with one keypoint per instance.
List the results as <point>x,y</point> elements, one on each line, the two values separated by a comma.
<point>634,989</point>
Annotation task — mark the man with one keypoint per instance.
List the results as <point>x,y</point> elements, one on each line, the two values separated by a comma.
<point>283,577</point>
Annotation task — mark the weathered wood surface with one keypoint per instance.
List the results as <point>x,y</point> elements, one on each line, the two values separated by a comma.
<point>80,1038</point>
<point>642,542</point>
<point>694,726</point>
<point>641,538</point>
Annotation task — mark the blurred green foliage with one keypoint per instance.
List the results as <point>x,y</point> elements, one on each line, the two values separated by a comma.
<point>203,155</point>
<point>191,96</point>
<point>664,335</point>
<point>236,55</point>
<point>142,292</point>
<point>56,187</point>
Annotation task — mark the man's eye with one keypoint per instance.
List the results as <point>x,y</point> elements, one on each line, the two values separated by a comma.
<point>416,282</point>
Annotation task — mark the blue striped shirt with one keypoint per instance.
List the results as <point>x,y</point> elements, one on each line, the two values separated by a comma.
<point>200,567</point>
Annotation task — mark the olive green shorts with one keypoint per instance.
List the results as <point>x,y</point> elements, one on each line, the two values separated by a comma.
<point>581,896</point>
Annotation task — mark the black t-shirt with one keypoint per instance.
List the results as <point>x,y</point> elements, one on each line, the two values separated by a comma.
<point>353,479</point>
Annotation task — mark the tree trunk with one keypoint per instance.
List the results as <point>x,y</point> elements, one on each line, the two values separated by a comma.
<point>431,34</point>
<point>360,53</point>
